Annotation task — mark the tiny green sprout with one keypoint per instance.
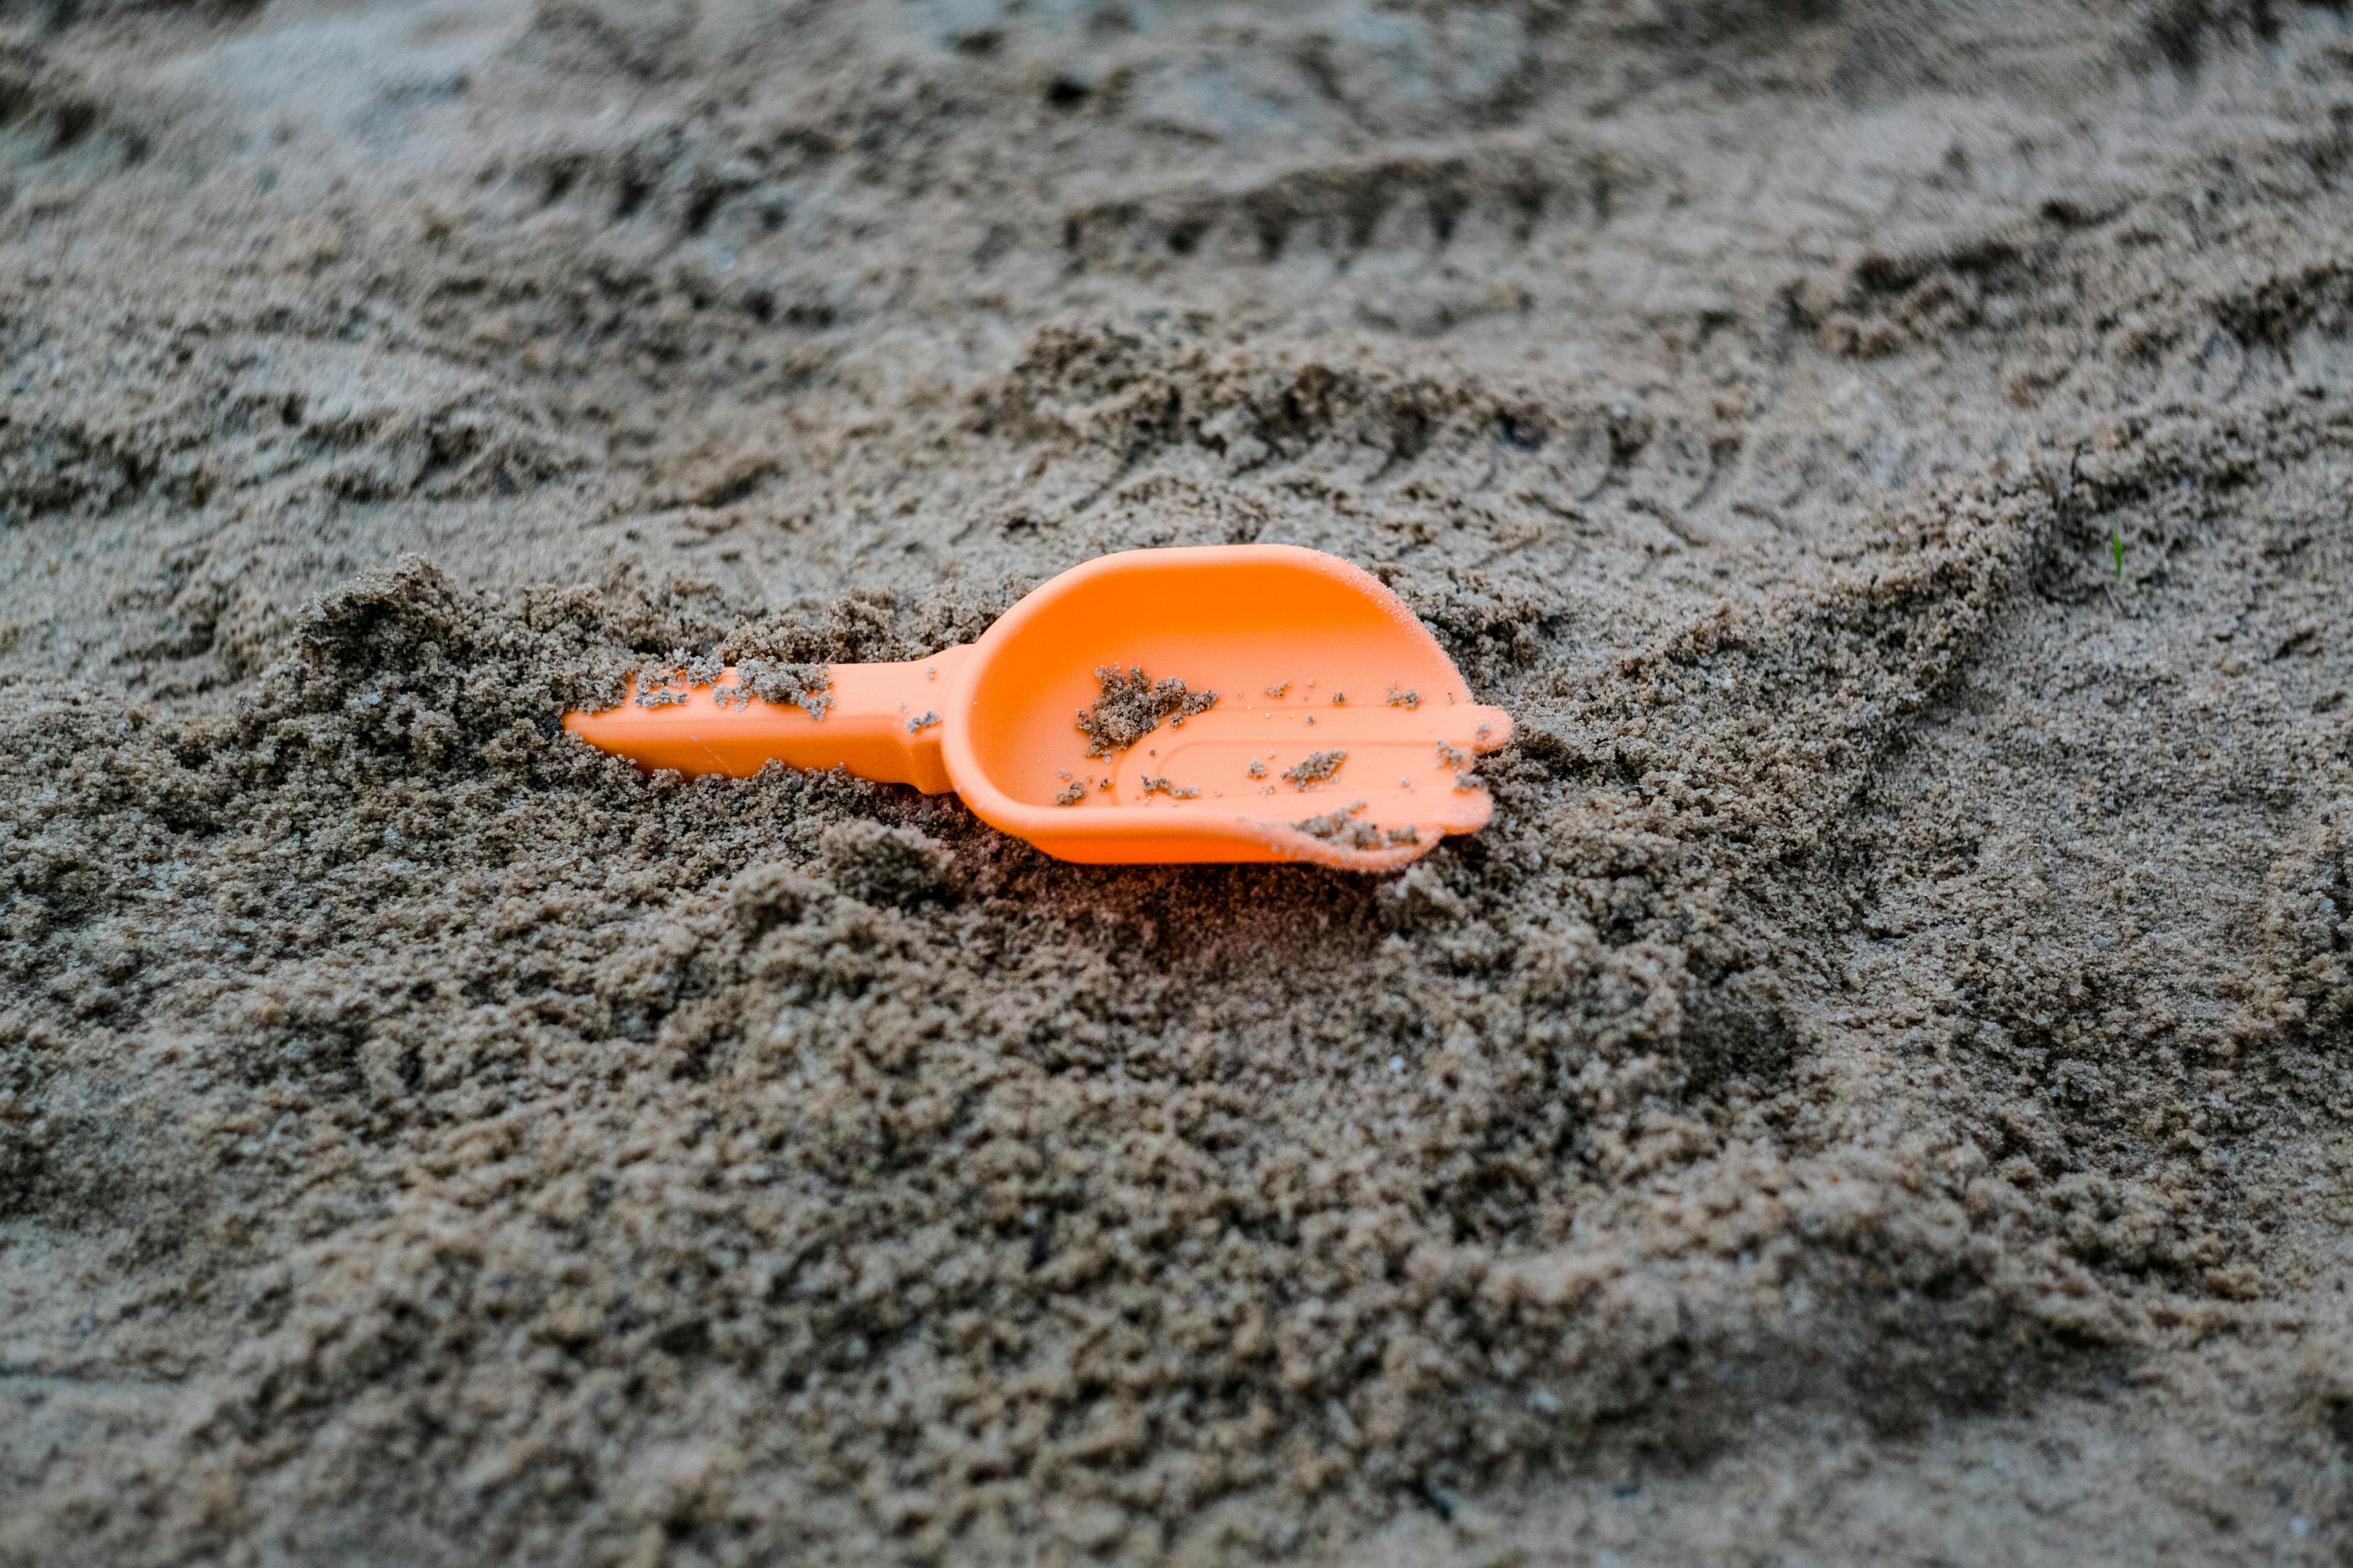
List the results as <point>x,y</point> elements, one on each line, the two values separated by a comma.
<point>2117,549</point>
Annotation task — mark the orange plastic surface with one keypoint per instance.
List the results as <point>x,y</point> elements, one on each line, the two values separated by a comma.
<point>1308,655</point>
<point>884,724</point>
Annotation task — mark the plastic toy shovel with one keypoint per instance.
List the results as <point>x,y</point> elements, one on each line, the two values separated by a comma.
<point>1231,702</point>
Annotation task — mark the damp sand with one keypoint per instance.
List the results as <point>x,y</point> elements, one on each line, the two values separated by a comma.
<point>1876,1091</point>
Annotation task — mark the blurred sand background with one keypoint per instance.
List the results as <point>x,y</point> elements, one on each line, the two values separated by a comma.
<point>1878,1093</point>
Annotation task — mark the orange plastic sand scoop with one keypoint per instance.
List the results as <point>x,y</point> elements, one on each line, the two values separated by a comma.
<point>1229,702</point>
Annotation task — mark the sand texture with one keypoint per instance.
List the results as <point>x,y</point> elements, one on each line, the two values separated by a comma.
<point>1878,1091</point>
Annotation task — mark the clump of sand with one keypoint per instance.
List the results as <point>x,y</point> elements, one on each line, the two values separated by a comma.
<point>1315,768</point>
<point>1133,705</point>
<point>803,686</point>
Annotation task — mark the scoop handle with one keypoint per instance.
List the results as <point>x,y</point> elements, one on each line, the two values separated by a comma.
<point>883,724</point>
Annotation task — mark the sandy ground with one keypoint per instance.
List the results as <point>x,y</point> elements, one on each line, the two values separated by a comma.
<point>1877,1093</point>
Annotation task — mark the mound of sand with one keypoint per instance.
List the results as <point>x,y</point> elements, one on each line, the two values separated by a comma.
<point>1878,1090</point>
